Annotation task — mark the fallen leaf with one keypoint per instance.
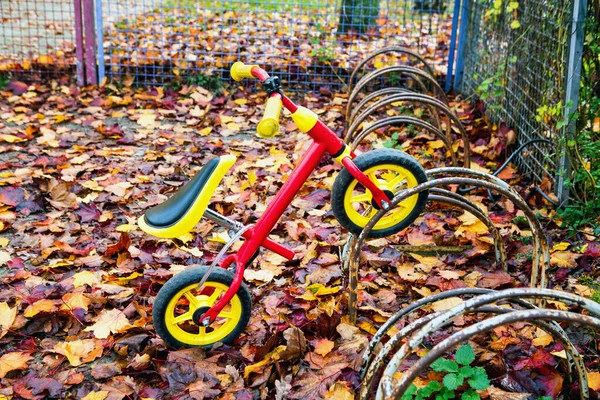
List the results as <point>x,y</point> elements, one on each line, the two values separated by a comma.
<point>109,321</point>
<point>13,361</point>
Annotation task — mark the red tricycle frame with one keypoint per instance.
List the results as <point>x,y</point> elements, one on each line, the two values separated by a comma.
<point>324,141</point>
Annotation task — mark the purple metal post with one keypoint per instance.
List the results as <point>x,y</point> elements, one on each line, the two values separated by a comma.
<point>79,43</point>
<point>89,21</point>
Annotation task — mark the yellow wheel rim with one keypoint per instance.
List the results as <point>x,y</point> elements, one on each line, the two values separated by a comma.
<point>358,200</point>
<point>182,306</point>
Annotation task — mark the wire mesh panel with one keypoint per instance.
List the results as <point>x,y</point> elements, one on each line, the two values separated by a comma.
<point>37,37</point>
<point>516,61</point>
<point>305,42</point>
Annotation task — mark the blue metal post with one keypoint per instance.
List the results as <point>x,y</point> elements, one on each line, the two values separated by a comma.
<point>450,73</point>
<point>462,42</point>
<point>576,39</point>
<point>100,39</point>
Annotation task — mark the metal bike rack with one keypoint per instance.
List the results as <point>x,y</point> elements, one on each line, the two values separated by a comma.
<point>420,78</point>
<point>415,99</point>
<point>481,302</point>
<point>392,49</point>
<point>461,177</point>
<point>404,120</point>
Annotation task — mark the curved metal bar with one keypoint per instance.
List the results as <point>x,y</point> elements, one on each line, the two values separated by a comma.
<point>368,98</point>
<point>574,358</point>
<point>407,310</point>
<point>491,183</point>
<point>446,317</point>
<point>411,72</point>
<point>389,391</point>
<point>460,201</point>
<point>416,98</point>
<point>541,246</point>
<point>400,120</point>
<point>391,49</point>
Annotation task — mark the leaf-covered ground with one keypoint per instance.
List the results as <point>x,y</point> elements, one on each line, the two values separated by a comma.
<point>78,278</point>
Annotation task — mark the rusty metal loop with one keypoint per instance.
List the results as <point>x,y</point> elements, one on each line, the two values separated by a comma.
<point>391,49</point>
<point>352,112</point>
<point>401,120</point>
<point>411,72</point>
<point>369,376</point>
<point>541,255</point>
<point>389,390</point>
<point>452,120</point>
<point>446,196</point>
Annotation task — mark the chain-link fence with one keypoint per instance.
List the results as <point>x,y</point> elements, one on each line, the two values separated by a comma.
<point>305,42</point>
<point>520,59</point>
<point>37,38</point>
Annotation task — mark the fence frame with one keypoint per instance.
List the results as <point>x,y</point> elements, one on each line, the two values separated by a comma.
<point>572,81</point>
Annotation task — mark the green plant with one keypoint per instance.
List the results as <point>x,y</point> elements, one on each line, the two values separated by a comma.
<point>4,80</point>
<point>208,82</point>
<point>459,376</point>
<point>593,285</point>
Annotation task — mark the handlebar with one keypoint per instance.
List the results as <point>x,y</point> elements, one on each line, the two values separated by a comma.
<point>239,71</point>
<point>269,125</point>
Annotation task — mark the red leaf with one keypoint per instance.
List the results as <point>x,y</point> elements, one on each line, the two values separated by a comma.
<point>88,212</point>
<point>18,87</point>
<point>121,245</point>
<point>11,196</point>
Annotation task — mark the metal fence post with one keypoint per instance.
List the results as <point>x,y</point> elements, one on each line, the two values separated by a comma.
<point>462,42</point>
<point>450,73</point>
<point>79,60</point>
<point>576,39</point>
<point>99,40</point>
<point>90,42</point>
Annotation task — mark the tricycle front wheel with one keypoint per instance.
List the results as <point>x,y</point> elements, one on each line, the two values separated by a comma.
<point>180,302</point>
<point>392,171</point>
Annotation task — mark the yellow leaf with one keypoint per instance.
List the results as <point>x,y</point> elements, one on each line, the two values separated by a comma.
<point>564,259</point>
<point>186,238</point>
<point>147,120</point>
<point>241,102</point>
<point>85,278</point>
<point>196,252</point>
<point>435,144</point>
<point>543,340</point>
<point>323,346</point>
<point>220,237</point>
<point>232,126</point>
<point>125,279</point>
<point>261,275</point>
<point>205,132</point>
<point>251,177</point>
<point>118,189</point>
<point>126,228</point>
<point>3,242</point>
<point>446,304</point>
<point>75,300</point>
<point>12,139</point>
<point>268,360</point>
<point>101,395</point>
<point>7,317</point>
<point>339,391</point>
<point>317,289</point>
<point>594,380</point>
<point>109,321</point>
<point>560,246</point>
<point>13,361</point>
<point>561,354</point>
<point>45,59</point>
<point>44,305</point>
<point>80,351</point>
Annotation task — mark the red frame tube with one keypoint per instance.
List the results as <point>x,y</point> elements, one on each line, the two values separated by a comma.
<point>325,141</point>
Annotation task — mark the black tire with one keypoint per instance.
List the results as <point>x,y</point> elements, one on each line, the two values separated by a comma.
<point>364,162</point>
<point>190,277</point>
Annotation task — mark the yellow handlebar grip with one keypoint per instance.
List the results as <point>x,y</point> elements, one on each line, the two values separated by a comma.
<point>239,71</point>
<point>269,126</point>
